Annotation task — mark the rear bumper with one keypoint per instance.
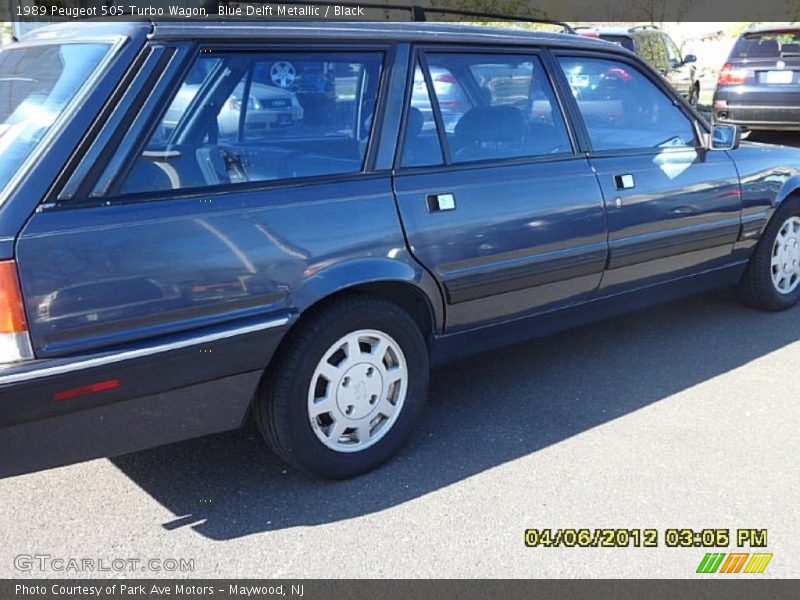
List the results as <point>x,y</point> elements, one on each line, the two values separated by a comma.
<point>174,389</point>
<point>758,108</point>
<point>766,118</point>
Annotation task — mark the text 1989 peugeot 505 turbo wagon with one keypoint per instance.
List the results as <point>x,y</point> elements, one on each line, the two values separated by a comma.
<point>200,223</point>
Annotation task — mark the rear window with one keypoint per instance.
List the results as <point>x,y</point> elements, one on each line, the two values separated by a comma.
<point>771,44</point>
<point>619,40</point>
<point>37,85</point>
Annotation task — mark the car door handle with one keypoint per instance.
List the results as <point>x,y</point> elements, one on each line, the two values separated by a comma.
<point>624,182</point>
<point>440,202</point>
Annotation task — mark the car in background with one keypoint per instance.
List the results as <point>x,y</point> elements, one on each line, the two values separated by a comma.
<point>759,85</point>
<point>453,101</point>
<point>268,108</point>
<point>658,49</point>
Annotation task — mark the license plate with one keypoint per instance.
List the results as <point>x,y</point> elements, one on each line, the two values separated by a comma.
<point>579,80</point>
<point>779,76</point>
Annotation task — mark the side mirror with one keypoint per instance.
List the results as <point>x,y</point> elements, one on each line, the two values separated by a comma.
<point>689,58</point>
<point>724,137</point>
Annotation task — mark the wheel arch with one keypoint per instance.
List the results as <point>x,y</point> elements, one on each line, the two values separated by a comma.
<point>401,281</point>
<point>790,187</point>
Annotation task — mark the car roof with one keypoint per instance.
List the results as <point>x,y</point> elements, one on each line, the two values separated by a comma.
<point>384,31</point>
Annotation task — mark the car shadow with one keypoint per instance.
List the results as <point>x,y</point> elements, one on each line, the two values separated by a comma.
<point>482,412</point>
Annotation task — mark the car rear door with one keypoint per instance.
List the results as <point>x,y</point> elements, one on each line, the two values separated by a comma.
<point>673,207</point>
<point>494,198</point>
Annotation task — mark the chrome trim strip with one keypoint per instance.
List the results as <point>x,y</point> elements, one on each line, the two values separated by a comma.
<point>138,353</point>
<point>760,107</point>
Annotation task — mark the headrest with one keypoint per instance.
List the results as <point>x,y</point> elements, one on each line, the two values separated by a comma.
<point>415,122</point>
<point>764,48</point>
<point>494,124</point>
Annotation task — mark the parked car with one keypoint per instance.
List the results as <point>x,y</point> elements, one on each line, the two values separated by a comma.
<point>310,276</point>
<point>759,85</point>
<point>658,49</point>
<point>268,107</point>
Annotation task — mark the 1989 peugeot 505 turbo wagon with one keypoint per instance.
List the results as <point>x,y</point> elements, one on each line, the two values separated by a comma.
<point>294,222</point>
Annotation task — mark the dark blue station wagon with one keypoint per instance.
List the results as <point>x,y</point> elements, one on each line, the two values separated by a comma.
<point>205,223</point>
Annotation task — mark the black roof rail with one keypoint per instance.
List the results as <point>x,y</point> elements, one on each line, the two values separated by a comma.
<point>418,13</point>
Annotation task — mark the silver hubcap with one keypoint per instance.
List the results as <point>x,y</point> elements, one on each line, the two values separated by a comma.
<point>282,74</point>
<point>786,257</point>
<point>357,391</point>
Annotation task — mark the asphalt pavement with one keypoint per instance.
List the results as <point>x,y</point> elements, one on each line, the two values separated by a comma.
<point>685,415</point>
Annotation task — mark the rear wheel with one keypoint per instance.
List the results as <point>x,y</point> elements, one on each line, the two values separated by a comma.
<point>772,279</point>
<point>343,393</point>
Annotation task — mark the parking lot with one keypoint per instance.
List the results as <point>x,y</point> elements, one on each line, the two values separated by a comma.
<point>684,415</point>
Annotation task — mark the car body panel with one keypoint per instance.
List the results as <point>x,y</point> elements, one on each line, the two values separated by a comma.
<point>682,216</point>
<point>517,241</point>
<point>214,259</point>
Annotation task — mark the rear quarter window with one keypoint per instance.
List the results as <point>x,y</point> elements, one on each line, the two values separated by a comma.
<point>240,118</point>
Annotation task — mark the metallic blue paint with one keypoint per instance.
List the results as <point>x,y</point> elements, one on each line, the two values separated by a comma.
<point>533,246</point>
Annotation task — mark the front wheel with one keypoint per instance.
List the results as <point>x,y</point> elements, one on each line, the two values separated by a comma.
<point>343,393</point>
<point>772,279</point>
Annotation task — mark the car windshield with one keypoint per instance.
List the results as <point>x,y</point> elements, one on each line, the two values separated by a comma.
<point>768,44</point>
<point>37,85</point>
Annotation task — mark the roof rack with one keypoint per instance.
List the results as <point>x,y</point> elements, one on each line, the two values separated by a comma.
<point>418,13</point>
<point>641,27</point>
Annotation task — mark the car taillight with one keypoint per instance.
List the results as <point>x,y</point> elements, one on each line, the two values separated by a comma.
<point>732,76</point>
<point>15,343</point>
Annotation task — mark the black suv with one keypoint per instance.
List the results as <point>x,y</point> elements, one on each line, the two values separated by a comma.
<point>658,49</point>
<point>204,223</point>
<point>759,86</point>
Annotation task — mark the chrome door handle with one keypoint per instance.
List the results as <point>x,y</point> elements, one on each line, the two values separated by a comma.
<point>624,182</point>
<point>440,202</point>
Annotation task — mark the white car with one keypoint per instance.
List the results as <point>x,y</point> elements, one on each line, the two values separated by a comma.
<point>268,108</point>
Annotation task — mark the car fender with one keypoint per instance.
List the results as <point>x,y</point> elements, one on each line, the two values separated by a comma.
<point>790,186</point>
<point>328,280</point>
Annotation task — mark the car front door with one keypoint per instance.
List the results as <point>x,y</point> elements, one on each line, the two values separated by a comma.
<point>494,198</point>
<point>673,207</point>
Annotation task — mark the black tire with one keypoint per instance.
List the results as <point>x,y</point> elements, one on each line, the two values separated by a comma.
<point>281,409</point>
<point>756,288</point>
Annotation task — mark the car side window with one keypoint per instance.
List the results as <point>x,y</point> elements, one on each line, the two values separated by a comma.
<point>496,106</point>
<point>421,146</point>
<point>624,109</point>
<point>651,48</point>
<point>239,118</point>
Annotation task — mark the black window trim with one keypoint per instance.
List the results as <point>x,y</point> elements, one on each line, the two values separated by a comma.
<point>541,52</point>
<point>112,196</point>
<point>699,125</point>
